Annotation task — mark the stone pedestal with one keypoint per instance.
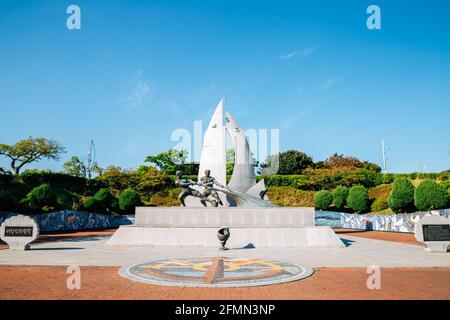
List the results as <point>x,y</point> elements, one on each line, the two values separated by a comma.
<point>249,227</point>
<point>434,231</point>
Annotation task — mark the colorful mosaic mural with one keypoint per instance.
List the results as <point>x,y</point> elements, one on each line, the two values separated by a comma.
<point>215,272</point>
<point>392,222</point>
<point>69,220</point>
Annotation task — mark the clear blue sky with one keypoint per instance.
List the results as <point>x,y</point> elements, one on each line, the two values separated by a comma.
<point>137,70</point>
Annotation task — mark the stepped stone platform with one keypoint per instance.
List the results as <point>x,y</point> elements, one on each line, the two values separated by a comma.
<point>249,227</point>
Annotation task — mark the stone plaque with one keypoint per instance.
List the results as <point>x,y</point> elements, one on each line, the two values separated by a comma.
<point>19,231</point>
<point>434,231</point>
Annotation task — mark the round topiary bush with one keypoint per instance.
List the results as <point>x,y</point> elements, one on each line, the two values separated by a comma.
<point>340,195</point>
<point>402,195</point>
<point>129,199</point>
<point>103,201</point>
<point>104,197</point>
<point>323,199</point>
<point>358,198</point>
<point>41,197</point>
<point>106,200</point>
<point>430,196</point>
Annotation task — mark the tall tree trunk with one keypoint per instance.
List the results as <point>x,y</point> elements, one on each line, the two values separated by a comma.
<point>15,169</point>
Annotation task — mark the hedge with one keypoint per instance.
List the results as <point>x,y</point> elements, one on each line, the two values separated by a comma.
<point>327,179</point>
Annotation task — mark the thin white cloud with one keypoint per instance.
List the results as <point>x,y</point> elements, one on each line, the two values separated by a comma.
<point>308,51</point>
<point>330,83</point>
<point>289,55</point>
<point>138,92</point>
<point>305,52</point>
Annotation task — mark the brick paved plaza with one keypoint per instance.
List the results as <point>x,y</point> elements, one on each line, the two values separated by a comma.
<point>330,283</point>
<point>104,282</point>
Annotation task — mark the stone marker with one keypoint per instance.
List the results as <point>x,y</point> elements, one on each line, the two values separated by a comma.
<point>434,231</point>
<point>18,231</point>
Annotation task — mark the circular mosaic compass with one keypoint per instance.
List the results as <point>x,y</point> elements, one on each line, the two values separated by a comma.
<point>214,272</point>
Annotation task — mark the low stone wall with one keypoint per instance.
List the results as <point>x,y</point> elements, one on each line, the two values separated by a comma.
<point>70,220</point>
<point>392,222</point>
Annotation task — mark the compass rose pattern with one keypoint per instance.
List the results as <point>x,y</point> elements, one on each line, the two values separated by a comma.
<point>215,272</point>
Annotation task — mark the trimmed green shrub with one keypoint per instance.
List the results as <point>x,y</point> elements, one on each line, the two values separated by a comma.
<point>103,201</point>
<point>430,196</point>
<point>129,199</point>
<point>402,195</point>
<point>358,198</point>
<point>41,198</point>
<point>323,199</point>
<point>340,195</point>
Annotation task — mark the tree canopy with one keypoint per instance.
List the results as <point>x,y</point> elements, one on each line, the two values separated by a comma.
<point>288,162</point>
<point>169,161</point>
<point>30,150</point>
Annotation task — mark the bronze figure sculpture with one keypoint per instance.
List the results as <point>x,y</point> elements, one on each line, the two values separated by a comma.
<point>208,182</point>
<point>186,190</point>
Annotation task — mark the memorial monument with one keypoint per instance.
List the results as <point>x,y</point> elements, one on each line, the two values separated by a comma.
<point>240,207</point>
<point>434,232</point>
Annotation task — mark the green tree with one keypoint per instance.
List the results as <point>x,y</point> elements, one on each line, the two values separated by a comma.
<point>402,195</point>
<point>169,161</point>
<point>30,150</point>
<point>288,162</point>
<point>230,161</point>
<point>430,196</point>
<point>358,198</point>
<point>75,167</point>
<point>322,199</point>
<point>340,194</point>
<point>119,179</point>
<point>341,161</point>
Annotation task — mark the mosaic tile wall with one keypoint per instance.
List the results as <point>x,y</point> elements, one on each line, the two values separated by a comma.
<point>69,220</point>
<point>395,222</point>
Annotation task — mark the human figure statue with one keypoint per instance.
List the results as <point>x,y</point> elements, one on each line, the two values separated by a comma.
<point>208,183</point>
<point>186,190</point>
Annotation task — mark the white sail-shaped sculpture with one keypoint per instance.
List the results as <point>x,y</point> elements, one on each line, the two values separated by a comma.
<point>213,156</point>
<point>243,177</point>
